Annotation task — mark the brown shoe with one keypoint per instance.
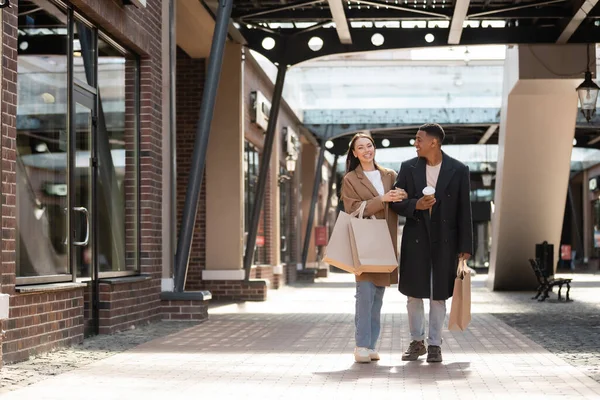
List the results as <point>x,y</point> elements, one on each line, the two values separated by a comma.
<point>434,354</point>
<point>415,349</point>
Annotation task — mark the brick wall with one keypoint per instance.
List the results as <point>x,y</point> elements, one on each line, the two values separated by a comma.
<point>237,290</point>
<point>264,272</point>
<point>140,30</point>
<point>40,322</point>
<point>124,303</point>
<point>184,310</point>
<point>9,155</point>
<point>190,83</point>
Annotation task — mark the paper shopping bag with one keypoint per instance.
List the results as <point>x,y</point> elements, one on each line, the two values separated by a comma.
<point>372,246</point>
<point>460,310</point>
<point>339,250</point>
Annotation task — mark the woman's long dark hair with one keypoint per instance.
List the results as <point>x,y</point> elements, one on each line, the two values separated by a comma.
<point>351,160</point>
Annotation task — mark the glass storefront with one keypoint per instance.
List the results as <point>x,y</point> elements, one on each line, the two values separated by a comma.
<point>77,149</point>
<point>251,171</point>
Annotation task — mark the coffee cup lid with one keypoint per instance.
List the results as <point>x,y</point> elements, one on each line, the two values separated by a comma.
<point>428,191</point>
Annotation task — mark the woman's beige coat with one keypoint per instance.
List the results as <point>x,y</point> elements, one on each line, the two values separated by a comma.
<point>356,188</point>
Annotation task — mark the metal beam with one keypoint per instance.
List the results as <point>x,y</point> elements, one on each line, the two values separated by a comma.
<point>313,205</point>
<point>190,209</point>
<point>488,134</point>
<point>410,10</point>
<point>594,141</point>
<point>577,19</point>
<point>264,169</point>
<point>341,23</point>
<point>329,193</point>
<point>330,188</point>
<point>461,7</point>
<point>277,9</point>
<point>502,10</point>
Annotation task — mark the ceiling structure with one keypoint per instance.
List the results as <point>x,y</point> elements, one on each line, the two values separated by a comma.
<point>337,26</point>
<point>289,32</point>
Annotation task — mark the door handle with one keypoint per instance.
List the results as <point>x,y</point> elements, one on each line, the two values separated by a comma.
<point>283,243</point>
<point>87,233</point>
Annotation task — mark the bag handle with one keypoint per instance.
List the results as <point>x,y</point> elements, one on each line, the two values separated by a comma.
<point>360,210</point>
<point>462,268</point>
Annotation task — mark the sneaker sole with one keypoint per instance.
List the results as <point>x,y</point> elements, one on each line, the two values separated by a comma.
<point>414,357</point>
<point>434,361</point>
<point>362,359</point>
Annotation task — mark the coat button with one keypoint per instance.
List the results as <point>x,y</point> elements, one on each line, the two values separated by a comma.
<point>445,240</point>
<point>417,241</point>
<point>448,195</point>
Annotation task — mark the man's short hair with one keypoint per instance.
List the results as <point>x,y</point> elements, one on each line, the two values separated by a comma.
<point>434,130</point>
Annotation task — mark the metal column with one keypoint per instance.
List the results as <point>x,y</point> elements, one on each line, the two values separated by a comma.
<point>330,188</point>
<point>313,205</point>
<point>264,169</point>
<point>578,232</point>
<point>209,95</point>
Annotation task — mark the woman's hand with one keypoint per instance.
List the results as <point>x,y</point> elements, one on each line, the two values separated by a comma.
<point>394,195</point>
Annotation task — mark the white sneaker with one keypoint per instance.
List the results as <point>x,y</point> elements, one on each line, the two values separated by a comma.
<point>362,355</point>
<point>373,355</point>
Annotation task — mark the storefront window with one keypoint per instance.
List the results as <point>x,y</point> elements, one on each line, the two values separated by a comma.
<point>596,222</point>
<point>41,142</point>
<point>251,168</point>
<point>82,170</point>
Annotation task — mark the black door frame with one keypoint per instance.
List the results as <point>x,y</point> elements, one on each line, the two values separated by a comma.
<point>86,96</point>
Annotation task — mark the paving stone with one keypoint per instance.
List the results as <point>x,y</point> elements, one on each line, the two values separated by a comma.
<point>300,342</point>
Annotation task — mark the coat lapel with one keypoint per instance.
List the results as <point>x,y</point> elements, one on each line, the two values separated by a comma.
<point>420,178</point>
<point>366,182</point>
<point>446,173</point>
<point>420,175</point>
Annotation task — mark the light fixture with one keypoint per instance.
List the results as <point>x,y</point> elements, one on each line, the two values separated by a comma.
<point>429,38</point>
<point>412,142</point>
<point>385,143</point>
<point>487,179</point>
<point>574,142</point>
<point>588,92</point>
<point>377,39</point>
<point>315,43</point>
<point>290,164</point>
<point>48,98</point>
<point>268,43</point>
<point>329,144</point>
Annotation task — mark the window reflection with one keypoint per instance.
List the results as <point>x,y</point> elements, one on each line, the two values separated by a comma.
<point>251,171</point>
<point>117,152</point>
<point>41,142</point>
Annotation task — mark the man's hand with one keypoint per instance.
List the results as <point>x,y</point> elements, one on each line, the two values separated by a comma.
<point>464,256</point>
<point>425,203</point>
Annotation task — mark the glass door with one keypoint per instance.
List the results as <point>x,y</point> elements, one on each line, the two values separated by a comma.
<point>284,217</point>
<point>83,185</point>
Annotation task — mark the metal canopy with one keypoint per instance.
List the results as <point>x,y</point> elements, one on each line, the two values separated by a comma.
<point>393,24</point>
<point>400,136</point>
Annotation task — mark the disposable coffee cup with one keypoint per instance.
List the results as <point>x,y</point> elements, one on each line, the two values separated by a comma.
<point>429,192</point>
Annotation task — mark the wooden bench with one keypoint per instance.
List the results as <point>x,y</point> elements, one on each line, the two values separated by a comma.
<point>546,284</point>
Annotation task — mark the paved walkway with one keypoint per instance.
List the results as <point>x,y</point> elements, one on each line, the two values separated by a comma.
<point>299,345</point>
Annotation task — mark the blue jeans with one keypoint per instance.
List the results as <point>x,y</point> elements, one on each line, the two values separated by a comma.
<point>367,320</point>
<point>416,318</point>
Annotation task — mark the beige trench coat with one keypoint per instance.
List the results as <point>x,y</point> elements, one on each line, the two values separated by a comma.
<point>356,188</point>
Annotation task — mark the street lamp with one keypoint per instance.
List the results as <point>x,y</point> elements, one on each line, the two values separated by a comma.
<point>588,92</point>
<point>290,164</point>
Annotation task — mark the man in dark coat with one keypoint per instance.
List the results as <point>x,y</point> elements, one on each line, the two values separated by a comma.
<point>438,231</point>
